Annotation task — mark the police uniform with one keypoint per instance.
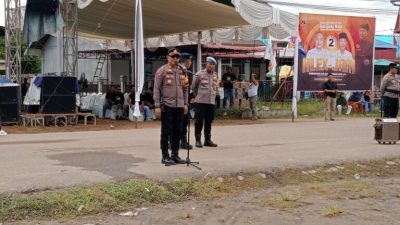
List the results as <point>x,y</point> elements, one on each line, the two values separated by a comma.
<point>188,79</point>
<point>390,89</point>
<point>205,88</point>
<point>170,95</point>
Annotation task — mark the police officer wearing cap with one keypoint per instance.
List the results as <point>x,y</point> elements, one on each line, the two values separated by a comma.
<point>186,63</point>
<point>170,100</point>
<point>205,89</point>
<point>390,89</point>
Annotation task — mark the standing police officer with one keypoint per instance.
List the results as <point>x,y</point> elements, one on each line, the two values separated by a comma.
<point>170,100</point>
<point>390,89</point>
<point>205,88</point>
<point>186,63</point>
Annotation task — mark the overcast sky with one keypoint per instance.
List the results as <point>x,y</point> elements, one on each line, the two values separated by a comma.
<point>385,21</point>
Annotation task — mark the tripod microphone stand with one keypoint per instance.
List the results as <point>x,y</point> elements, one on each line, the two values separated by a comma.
<point>188,161</point>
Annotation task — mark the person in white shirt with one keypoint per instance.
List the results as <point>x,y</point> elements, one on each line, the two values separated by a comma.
<point>252,94</point>
<point>318,53</point>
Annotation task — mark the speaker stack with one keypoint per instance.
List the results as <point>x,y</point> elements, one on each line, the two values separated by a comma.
<point>58,94</point>
<point>9,104</point>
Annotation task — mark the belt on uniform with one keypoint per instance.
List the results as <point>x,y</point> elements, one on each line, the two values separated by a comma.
<point>392,91</point>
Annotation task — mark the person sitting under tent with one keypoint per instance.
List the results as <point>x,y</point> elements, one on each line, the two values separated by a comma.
<point>117,104</point>
<point>147,104</point>
<point>108,100</point>
<point>368,101</point>
<point>341,104</point>
<point>355,102</point>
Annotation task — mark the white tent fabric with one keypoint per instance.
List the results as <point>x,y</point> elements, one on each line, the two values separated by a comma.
<point>281,24</point>
<point>139,56</point>
<point>113,19</point>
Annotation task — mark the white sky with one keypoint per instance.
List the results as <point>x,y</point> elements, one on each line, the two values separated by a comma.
<point>385,21</point>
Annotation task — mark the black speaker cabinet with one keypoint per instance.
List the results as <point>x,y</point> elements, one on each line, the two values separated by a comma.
<point>10,104</point>
<point>58,94</point>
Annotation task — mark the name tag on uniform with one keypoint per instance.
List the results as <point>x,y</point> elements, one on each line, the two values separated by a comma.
<point>204,81</point>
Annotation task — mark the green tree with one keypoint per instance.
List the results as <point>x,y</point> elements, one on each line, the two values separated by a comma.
<point>29,64</point>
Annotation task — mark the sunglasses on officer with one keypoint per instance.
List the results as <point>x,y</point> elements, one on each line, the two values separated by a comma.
<point>175,56</point>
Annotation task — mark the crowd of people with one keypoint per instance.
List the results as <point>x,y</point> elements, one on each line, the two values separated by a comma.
<point>363,102</point>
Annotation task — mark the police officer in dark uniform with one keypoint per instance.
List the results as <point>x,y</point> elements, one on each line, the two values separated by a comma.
<point>171,101</point>
<point>205,89</point>
<point>186,63</point>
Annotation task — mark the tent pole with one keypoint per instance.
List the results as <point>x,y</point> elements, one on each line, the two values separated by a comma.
<point>198,60</point>
<point>295,77</point>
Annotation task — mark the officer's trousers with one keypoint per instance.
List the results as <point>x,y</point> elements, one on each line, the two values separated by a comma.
<point>390,107</point>
<point>204,115</point>
<point>171,126</point>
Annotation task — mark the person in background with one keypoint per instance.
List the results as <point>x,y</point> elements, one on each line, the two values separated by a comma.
<point>108,100</point>
<point>330,89</point>
<point>390,89</point>
<point>228,79</point>
<point>117,104</point>
<point>252,94</point>
<point>147,104</point>
<point>240,88</point>
<point>355,101</point>
<point>368,101</point>
<point>186,63</point>
<point>341,104</point>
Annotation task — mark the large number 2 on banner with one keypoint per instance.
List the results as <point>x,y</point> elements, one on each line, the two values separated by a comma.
<point>331,42</point>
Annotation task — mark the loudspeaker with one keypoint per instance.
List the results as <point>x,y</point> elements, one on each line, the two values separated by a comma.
<point>58,94</point>
<point>9,104</point>
<point>58,85</point>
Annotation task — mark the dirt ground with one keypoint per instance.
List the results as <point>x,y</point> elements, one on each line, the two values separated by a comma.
<point>365,201</point>
<point>107,124</point>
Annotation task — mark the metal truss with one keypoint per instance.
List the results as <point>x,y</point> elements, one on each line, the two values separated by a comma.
<point>13,39</point>
<point>70,37</point>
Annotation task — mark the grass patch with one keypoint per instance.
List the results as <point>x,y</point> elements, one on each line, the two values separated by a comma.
<point>285,201</point>
<point>135,193</point>
<point>351,190</point>
<point>333,211</point>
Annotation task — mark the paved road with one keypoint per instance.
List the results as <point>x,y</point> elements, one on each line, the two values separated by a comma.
<point>53,160</point>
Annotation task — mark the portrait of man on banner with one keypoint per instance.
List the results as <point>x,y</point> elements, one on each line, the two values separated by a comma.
<point>337,45</point>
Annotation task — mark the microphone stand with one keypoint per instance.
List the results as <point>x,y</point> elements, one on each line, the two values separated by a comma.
<point>188,161</point>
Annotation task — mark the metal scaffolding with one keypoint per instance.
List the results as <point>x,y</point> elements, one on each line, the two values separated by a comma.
<point>70,37</point>
<point>13,39</point>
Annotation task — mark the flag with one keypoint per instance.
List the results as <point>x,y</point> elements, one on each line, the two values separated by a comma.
<point>264,40</point>
<point>302,53</point>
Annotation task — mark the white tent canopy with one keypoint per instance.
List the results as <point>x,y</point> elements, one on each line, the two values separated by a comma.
<point>167,25</point>
<point>281,24</point>
<point>114,19</point>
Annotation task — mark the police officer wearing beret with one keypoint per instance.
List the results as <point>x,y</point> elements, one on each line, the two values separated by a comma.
<point>171,101</point>
<point>205,88</point>
<point>186,63</point>
<point>390,89</point>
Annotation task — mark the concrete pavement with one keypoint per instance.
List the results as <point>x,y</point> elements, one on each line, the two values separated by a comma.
<point>53,160</point>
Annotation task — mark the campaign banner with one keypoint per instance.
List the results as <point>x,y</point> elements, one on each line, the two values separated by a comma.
<point>339,45</point>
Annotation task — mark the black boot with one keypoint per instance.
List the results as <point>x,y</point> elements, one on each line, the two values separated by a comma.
<point>166,159</point>
<point>198,141</point>
<point>208,142</point>
<point>175,157</point>
<point>185,144</point>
